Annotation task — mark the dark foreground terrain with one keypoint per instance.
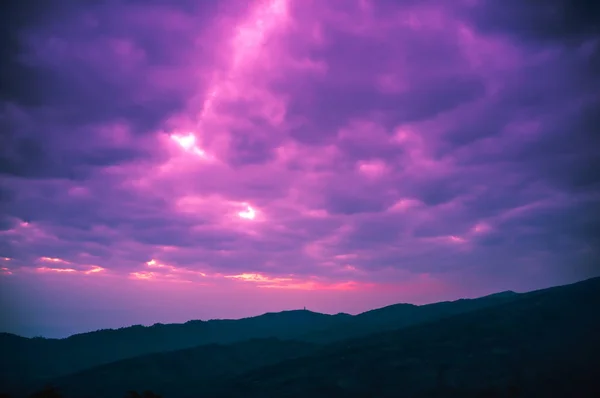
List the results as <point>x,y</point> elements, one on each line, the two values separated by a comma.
<point>539,344</point>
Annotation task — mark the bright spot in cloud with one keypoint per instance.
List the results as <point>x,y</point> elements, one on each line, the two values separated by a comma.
<point>248,214</point>
<point>59,270</point>
<point>263,281</point>
<point>53,260</point>
<point>250,277</point>
<point>188,143</point>
<point>456,239</point>
<point>95,269</point>
<point>144,275</point>
<point>251,36</point>
<point>172,272</point>
<point>481,228</point>
<point>153,263</point>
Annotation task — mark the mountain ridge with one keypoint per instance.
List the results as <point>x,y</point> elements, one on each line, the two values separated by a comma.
<point>489,350</point>
<point>33,360</point>
<point>266,314</point>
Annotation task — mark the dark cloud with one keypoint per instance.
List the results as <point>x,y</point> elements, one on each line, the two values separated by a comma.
<point>539,20</point>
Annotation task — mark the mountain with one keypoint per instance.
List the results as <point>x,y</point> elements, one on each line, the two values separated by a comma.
<point>29,361</point>
<point>402,315</point>
<point>178,372</point>
<point>545,344</point>
<point>541,342</point>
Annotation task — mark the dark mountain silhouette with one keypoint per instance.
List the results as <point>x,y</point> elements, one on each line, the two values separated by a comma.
<point>542,343</point>
<point>28,361</point>
<point>545,344</point>
<point>402,315</point>
<point>31,361</point>
<point>183,370</point>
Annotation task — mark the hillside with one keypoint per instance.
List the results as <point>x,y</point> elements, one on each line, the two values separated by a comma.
<point>33,361</point>
<point>183,370</point>
<point>403,315</point>
<point>543,344</point>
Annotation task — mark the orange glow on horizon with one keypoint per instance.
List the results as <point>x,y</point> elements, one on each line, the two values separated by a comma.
<point>158,271</point>
<point>155,264</point>
<point>53,260</point>
<point>165,272</point>
<point>312,285</point>
<point>263,281</point>
<point>95,269</point>
<point>59,270</point>
<point>253,277</point>
<point>143,275</point>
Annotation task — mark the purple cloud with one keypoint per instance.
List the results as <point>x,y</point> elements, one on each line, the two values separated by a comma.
<point>346,153</point>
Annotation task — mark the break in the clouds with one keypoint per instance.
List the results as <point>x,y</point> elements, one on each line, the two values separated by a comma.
<point>236,157</point>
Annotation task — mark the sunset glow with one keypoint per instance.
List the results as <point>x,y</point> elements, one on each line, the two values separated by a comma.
<point>53,260</point>
<point>59,270</point>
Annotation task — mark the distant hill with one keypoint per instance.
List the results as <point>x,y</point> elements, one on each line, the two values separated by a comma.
<point>538,344</point>
<point>28,361</point>
<point>545,344</point>
<point>402,315</point>
<point>114,359</point>
<point>180,371</point>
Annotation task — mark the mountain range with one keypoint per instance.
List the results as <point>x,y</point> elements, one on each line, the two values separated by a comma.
<point>541,343</point>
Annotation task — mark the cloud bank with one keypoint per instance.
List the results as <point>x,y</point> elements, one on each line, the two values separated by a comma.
<point>352,153</point>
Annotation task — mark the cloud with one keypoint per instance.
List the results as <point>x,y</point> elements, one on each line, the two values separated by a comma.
<point>554,21</point>
<point>376,143</point>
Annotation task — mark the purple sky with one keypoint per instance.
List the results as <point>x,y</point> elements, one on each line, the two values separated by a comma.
<point>168,160</point>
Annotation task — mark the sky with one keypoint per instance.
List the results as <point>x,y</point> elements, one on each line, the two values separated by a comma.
<point>162,161</point>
